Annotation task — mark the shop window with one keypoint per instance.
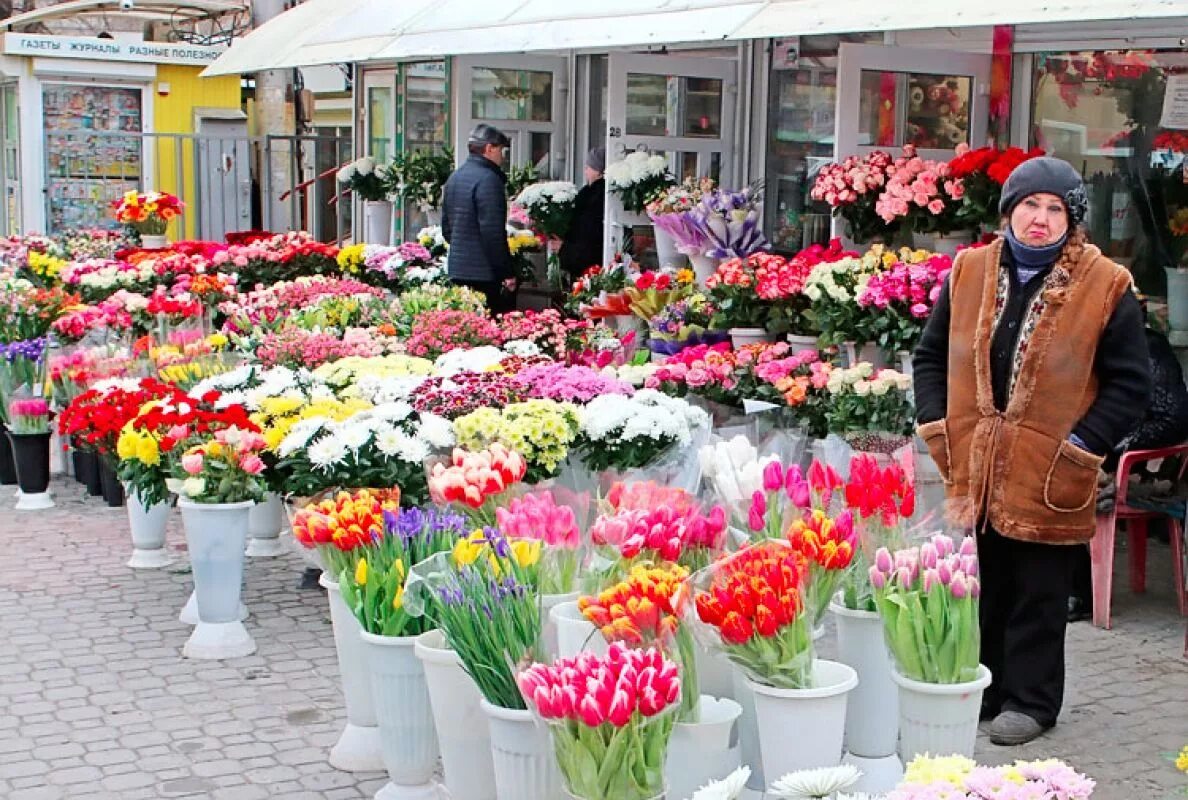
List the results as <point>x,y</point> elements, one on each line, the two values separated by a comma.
<point>928,111</point>
<point>1105,113</point>
<point>511,94</point>
<point>659,105</point>
<point>380,122</point>
<point>802,98</point>
<point>93,151</point>
<point>426,103</point>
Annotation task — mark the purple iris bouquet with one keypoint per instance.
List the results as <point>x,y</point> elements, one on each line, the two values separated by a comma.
<point>22,364</point>
<point>565,384</point>
<point>682,324</point>
<point>730,222</point>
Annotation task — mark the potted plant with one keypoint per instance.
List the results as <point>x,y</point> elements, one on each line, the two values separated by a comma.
<point>363,178</point>
<point>751,606</point>
<point>217,477</point>
<point>375,593</point>
<point>29,435</point>
<point>418,178</point>
<point>148,213</point>
<point>611,718</point>
<point>143,472</point>
<point>637,178</point>
<point>484,597</point>
<point>927,596</point>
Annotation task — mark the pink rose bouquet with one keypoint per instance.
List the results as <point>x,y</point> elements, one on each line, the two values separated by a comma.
<point>900,299</point>
<point>852,189</point>
<point>921,193</point>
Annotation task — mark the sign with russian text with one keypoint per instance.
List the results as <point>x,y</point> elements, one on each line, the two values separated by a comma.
<point>34,44</point>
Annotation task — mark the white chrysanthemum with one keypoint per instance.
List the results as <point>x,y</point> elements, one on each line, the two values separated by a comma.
<point>354,434</point>
<point>299,436</point>
<point>729,788</point>
<point>365,165</point>
<point>388,440</point>
<point>346,173</point>
<point>394,411</point>
<point>438,432</point>
<point>228,399</point>
<point>321,392</point>
<point>476,359</point>
<point>327,451</point>
<point>413,449</point>
<point>546,192</point>
<point>522,348</point>
<point>811,784</point>
<point>121,384</point>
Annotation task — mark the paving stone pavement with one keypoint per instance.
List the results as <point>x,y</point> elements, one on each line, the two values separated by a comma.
<point>97,702</point>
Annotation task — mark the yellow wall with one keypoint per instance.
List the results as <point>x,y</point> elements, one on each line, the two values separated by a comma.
<point>174,113</point>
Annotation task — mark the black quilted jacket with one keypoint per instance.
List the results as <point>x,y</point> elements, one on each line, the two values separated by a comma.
<point>474,220</point>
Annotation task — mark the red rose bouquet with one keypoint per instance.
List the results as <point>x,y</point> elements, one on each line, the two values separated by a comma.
<point>982,173</point>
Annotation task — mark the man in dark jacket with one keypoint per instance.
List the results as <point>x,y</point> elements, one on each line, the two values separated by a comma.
<point>474,220</point>
<point>582,246</point>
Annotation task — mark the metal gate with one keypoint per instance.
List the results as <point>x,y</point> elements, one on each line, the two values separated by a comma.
<point>223,177</point>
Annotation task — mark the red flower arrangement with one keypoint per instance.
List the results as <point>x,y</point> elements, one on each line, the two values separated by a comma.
<point>94,419</point>
<point>982,173</point>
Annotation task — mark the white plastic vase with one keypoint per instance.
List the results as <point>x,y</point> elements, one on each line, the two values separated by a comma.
<point>265,527</point>
<point>377,221</point>
<point>215,537</point>
<point>740,337</point>
<point>148,532</point>
<point>575,633</point>
<point>868,352</point>
<point>946,245</point>
<point>408,739</point>
<point>703,751</point>
<point>799,342</point>
<point>1177,298</point>
<point>715,673</point>
<point>872,714</point>
<point>703,266</point>
<point>462,730</point>
<point>358,748</point>
<point>939,717</point>
<point>879,775</point>
<point>548,633</point>
<point>522,753</point>
<point>814,719</point>
<point>748,731</point>
<point>154,241</point>
<point>667,254</point>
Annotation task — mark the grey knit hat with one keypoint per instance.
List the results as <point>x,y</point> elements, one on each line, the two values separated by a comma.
<point>596,159</point>
<point>1046,175</point>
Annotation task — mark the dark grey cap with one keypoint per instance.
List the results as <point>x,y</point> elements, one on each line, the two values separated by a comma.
<point>1046,175</point>
<point>596,159</point>
<point>488,134</point>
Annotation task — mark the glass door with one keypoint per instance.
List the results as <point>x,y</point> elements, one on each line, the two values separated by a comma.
<point>379,115</point>
<point>10,166</point>
<point>678,106</point>
<point>523,96</point>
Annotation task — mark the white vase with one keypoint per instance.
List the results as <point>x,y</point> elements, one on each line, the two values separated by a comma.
<point>748,731</point>
<point>575,633</point>
<point>715,673</point>
<point>548,633</point>
<point>148,532</point>
<point>879,775</point>
<point>800,342</point>
<point>667,254</point>
<point>939,717</point>
<point>265,525</point>
<point>868,352</point>
<point>189,612</point>
<point>400,698</point>
<point>703,266</point>
<point>154,241</point>
<point>941,244</point>
<point>358,748</point>
<point>522,753</point>
<point>815,719</point>
<point>703,751</point>
<point>462,731</point>
<point>739,337</point>
<point>377,221</point>
<point>872,714</point>
<point>215,537</point>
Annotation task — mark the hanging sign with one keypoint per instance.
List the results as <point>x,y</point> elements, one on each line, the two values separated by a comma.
<point>35,44</point>
<point>1175,103</point>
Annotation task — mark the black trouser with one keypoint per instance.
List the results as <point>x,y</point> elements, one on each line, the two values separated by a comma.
<point>498,300</point>
<point>1024,611</point>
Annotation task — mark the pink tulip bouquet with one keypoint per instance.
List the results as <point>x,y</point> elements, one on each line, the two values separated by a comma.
<point>928,599</point>
<point>539,516</point>
<point>611,719</point>
<point>477,482</point>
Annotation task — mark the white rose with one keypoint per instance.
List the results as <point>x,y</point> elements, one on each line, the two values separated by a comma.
<point>864,368</point>
<point>880,387</point>
<point>193,487</point>
<point>862,388</point>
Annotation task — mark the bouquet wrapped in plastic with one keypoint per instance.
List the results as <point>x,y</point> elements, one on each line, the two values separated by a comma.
<point>477,482</point>
<point>611,718</point>
<point>556,517</point>
<point>882,499</point>
<point>750,605</point>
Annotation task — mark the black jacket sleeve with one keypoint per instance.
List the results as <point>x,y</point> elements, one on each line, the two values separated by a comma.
<point>930,363</point>
<point>491,212</point>
<point>582,246</point>
<point>1123,379</point>
<point>446,228</point>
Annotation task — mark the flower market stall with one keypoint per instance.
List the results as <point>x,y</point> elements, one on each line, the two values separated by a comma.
<point>581,552</point>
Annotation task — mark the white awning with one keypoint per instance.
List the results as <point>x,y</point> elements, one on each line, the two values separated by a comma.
<point>338,31</point>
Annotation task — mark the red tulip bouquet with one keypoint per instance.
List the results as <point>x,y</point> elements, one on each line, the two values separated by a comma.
<point>477,482</point>
<point>611,719</point>
<point>751,606</point>
<point>882,497</point>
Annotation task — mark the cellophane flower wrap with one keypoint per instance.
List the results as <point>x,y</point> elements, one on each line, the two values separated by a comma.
<point>731,222</point>
<point>927,596</point>
<point>672,211</point>
<point>652,290</point>
<point>476,483</point>
<point>626,433</point>
<point>556,517</point>
<point>374,588</point>
<point>929,777</point>
<point>338,523</point>
<point>882,496</point>
<point>639,612</point>
<point>22,369</point>
<point>734,470</point>
<point>611,717</point>
<point>750,605</point>
<point>29,414</point>
<point>483,596</point>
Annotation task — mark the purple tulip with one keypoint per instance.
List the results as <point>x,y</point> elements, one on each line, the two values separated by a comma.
<point>975,588</point>
<point>959,587</point>
<point>882,560</point>
<point>969,565</point>
<point>945,572</point>
<point>969,546</point>
<point>943,545</point>
<point>928,555</point>
<point>877,579</point>
<point>931,578</point>
<point>905,577</point>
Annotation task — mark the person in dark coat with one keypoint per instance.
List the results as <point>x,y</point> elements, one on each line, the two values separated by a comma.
<point>474,220</point>
<point>582,246</point>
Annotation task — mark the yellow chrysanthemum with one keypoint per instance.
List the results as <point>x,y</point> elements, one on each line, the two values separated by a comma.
<point>147,451</point>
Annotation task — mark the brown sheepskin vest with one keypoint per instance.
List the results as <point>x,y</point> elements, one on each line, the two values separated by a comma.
<point>1017,468</point>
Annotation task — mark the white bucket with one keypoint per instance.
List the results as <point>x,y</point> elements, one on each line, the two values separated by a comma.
<point>148,526</point>
<point>740,337</point>
<point>715,673</point>
<point>804,728</point>
<point>748,731</point>
<point>522,751</point>
<point>575,633</point>
<point>703,267</point>
<point>548,632</point>
<point>939,717</point>
<point>872,713</point>
<point>215,537</point>
<point>358,748</point>
<point>704,751</point>
<point>265,526</point>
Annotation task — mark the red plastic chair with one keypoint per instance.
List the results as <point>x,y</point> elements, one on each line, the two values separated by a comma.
<point>1101,547</point>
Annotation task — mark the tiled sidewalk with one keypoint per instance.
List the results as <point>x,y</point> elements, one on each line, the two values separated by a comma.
<point>97,702</point>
